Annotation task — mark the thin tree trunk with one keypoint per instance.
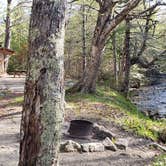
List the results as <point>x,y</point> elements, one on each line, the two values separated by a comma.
<point>126,54</point>
<point>68,65</point>
<point>44,92</point>
<point>7,33</point>
<point>122,66</point>
<point>84,58</point>
<point>87,84</point>
<point>115,59</point>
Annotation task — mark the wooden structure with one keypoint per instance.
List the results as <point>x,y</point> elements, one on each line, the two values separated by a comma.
<point>4,57</point>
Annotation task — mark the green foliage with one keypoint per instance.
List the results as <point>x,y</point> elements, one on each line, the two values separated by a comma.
<point>160,160</point>
<point>18,100</point>
<point>19,41</point>
<point>162,135</point>
<point>73,37</point>
<point>19,37</point>
<point>13,99</point>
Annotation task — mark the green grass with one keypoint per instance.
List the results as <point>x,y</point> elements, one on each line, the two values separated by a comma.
<point>160,160</point>
<point>127,114</point>
<point>17,100</point>
<point>110,105</point>
<point>13,100</point>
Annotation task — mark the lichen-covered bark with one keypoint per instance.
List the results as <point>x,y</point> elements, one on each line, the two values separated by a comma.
<point>44,91</point>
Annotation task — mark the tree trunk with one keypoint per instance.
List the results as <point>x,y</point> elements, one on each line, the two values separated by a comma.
<point>44,92</point>
<point>87,84</point>
<point>84,58</point>
<point>122,68</point>
<point>104,26</point>
<point>7,33</point>
<point>126,53</point>
<point>115,59</point>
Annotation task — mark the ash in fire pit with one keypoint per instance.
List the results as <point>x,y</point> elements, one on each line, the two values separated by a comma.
<point>80,129</point>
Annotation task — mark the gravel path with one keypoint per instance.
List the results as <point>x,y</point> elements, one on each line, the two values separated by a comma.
<point>9,140</point>
<point>12,84</point>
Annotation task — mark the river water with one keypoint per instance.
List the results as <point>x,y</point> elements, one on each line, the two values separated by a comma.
<point>151,100</point>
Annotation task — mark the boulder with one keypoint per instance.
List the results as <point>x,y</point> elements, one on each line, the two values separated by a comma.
<point>92,147</point>
<point>122,143</point>
<point>85,147</point>
<point>109,145</point>
<point>101,132</point>
<point>70,146</point>
<point>135,83</point>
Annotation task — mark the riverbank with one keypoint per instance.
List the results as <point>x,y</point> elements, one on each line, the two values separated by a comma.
<point>151,100</point>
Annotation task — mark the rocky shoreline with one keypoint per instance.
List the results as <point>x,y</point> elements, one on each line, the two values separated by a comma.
<point>151,100</point>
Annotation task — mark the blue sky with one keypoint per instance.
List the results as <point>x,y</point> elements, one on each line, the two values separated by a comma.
<point>14,2</point>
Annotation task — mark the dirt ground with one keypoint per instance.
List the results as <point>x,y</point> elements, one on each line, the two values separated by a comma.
<point>11,83</point>
<point>137,154</point>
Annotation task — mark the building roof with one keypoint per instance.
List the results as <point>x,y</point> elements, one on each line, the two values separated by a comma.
<point>5,51</point>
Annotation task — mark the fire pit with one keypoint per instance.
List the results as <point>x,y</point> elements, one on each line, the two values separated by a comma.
<point>80,129</point>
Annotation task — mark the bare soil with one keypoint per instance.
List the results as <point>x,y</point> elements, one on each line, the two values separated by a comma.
<point>138,152</point>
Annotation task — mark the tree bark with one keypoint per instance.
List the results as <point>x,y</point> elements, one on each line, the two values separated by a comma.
<point>115,59</point>
<point>84,58</point>
<point>104,26</point>
<point>44,92</point>
<point>7,33</point>
<point>126,54</point>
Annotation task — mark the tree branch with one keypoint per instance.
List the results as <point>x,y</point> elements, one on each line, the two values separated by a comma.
<point>120,17</point>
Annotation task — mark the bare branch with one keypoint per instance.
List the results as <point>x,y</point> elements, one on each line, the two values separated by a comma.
<point>120,17</point>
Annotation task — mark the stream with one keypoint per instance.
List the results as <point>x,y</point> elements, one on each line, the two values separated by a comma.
<point>151,100</point>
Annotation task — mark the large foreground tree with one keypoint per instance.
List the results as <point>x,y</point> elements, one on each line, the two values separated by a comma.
<point>44,91</point>
<point>106,23</point>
